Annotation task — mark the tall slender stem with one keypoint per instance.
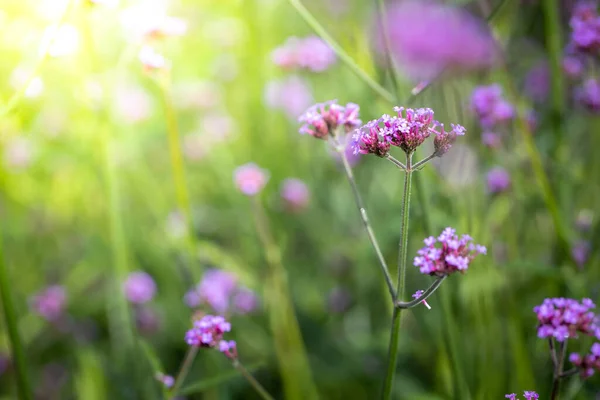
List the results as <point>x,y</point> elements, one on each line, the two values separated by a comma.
<point>184,370</point>
<point>424,161</point>
<point>255,384</point>
<point>339,51</point>
<point>12,326</point>
<point>365,219</point>
<point>403,251</point>
<point>558,370</point>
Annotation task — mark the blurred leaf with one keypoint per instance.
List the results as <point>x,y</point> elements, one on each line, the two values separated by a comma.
<point>90,382</point>
<point>220,379</point>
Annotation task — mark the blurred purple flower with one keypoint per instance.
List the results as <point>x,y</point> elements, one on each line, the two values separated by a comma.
<point>229,348</point>
<point>585,25</point>
<point>323,119</point>
<point>49,303</point>
<point>572,66</point>
<point>139,287</point>
<point>310,53</point>
<point>537,82</point>
<point>584,220</point>
<point>295,194</point>
<point>490,106</point>
<point>455,254</point>
<point>512,396</point>
<point>563,318</point>
<point>292,95</point>
<point>491,140</point>
<point>530,395</point>
<point>250,179</point>
<point>581,252</point>
<point>589,363</point>
<point>147,320</point>
<point>588,94</point>
<point>166,380</point>
<point>245,300</point>
<point>498,180</point>
<point>427,37</point>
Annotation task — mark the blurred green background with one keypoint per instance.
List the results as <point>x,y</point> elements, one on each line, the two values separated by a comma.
<point>88,194</point>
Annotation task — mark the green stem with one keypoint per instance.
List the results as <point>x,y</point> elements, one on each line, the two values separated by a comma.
<point>255,384</point>
<point>14,100</point>
<point>178,166</point>
<point>289,346</point>
<point>430,290</point>
<point>10,315</point>
<point>553,42</point>
<point>558,370</point>
<point>184,370</point>
<point>365,219</point>
<point>396,162</point>
<point>403,251</point>
<point>339,51</point>
<point>424,161</point>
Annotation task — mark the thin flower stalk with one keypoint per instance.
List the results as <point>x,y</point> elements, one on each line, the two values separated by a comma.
<point>184,370</point>
<point>558,370</point>
<point>396,162</point>
<point>252,381</point>
<point>365,219</point>
<point>434,286</point>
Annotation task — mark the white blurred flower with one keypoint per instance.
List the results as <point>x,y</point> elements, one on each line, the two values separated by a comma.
<point>217,126</point>
<point>149,20</point>
<point>18,152</point>
<point>175,225</point>
<point>63,40</point>
<point>19,78</point>
<point>133,103</point>
<point>151,59</point>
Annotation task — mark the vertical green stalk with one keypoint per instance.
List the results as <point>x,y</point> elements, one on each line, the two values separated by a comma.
<point>289,347</point>
<point>402,257</point>
<point>252,381</point>
<point>184,370</point>
<point>555,49</point>
<point>10,316</point>
<point>558,370</point>
<point>177,164</point>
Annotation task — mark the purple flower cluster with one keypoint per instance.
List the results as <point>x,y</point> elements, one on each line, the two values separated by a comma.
<point>585,25</point>
<point>529,395</point>
<point>219,289</point>
<point>563,318</point>
<point>588,94</point>
<point>490,107</point>
<point>295,194</point>
<point>323,119</point>
<point>139,287</point>
<point>426,37</point>
<point>50,303</point>
<point>588,363</point>
<point>250,179</point>
<point>308,53</point>
<point>408,130</point>
<point>455,254</point>
<point>208,331</point>
<point>498,180</point>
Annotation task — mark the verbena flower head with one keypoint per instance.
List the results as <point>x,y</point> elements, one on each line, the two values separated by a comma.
<point>447,253</point>
<point>250,179</point>
<point>589,363</point>
<point>229,348</point>
<point>309,53</point>
<point>50,303</point>
<point>407,130</point>
<point>563,318</point>
<point>219,289</point>
<point>427,37</point>
<point>588,94</point>
<point>323,119</point>
<point>530,395</point>
<point>208,331</point>
<point>585,25</point>
<point>498,180</point>
<point>490,107</point>
<point>139,287</point>
<point>511,396</point>
<point>295,194</point>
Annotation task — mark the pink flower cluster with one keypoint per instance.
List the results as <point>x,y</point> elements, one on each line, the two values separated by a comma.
<point>585,25</point>
<point>588,363</point>
<point>408,130</point>
<point>295,194</point>
<point>139,287</point>
<point>588,94</point>
<point>309,53</point>
<point>50,303</point>
<point>563,318</point>
<point>220,290</point>
<point>528,394</point>
<point>323,119</point>
<point>250,179</point>
<point>455,254</point>
<point>490,106</point>
<point>208,332</point>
